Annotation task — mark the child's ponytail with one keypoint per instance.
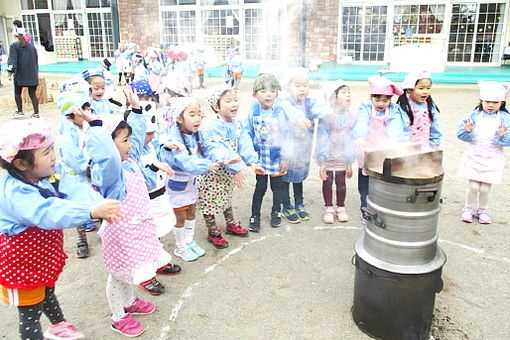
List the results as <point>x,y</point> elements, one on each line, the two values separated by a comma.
<point>403,101</point>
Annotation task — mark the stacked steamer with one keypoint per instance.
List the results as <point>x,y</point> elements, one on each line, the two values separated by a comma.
<point>398,263</point>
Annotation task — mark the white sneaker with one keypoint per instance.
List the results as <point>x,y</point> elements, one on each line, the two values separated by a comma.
<point>194,247</point>
<point>187,255</point>
<point>18,114</point>
<point>341,214</point>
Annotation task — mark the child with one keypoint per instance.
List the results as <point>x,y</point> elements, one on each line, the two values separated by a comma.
<point>216,188</point>
<point>419,115</point>
<point>200,66</point>
<point>72,151</point>
<point>38,200</point>
<point>131,249</point>
<point>195,159</point>
<point>96,80</point>
<point>237,67</point>
<point>300,111</point>
<point>267,128</point>
<point>483,162</point>
<point>370,128</point>
<point>335,152</point>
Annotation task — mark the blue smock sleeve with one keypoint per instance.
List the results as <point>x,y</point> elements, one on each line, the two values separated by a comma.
<point>322,146</point>
<point>505,120</point>
<point>315,109</point>
<point>22,205</point>
<point>192,164</point>
<point>361,121</point>
<point>398,124</point>
<point>73,154</point>
<point>106,170</point>
<point>245,148</point>
<point>435,131</point>
<point>138,126</point>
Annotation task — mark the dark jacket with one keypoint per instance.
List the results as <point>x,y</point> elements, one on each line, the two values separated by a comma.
<point>23,63</point>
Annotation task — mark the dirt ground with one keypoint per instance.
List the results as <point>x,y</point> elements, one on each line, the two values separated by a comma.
<point>296,282</point>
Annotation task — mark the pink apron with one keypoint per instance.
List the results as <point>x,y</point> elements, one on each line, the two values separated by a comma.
<point>420,130</point>
<point>376,137</point>
<point>483,159</point>
<point>131,242</point>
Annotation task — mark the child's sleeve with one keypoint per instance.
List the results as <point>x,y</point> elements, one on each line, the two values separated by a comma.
<point>398,124</point>
<point>322,146</point>
<point>220,149</point>
<point>192,164</point>
<point>361,121</point>
<point>505,121</point>
<point>316,109</point>
<point>73,154</point>
<point>22,205</point>
<point>245,147</point>
<point>106,170</point>
<point>138,126</point>
<point>462,134</point>
<point>435,131</point>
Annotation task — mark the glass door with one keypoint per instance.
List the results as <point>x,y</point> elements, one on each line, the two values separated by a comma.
<point>100,35</point>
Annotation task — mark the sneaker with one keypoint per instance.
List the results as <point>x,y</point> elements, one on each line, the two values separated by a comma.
<point>467,215</point>
<point>140,307</point>
<point>153,287</point>
<point>127,326</point>
<point>329,215</point>
<point>194,247</point>
<point>90,227</point>
<point>187,255</point>
<point>276,219</point>
<point>82,250</point>
<point>341,215</point>
<point>62,330</point>
<point>169,269</point>
<point>216,239</point>
<point>236,229</point>
<point>483,216</point>
<point>254,223</point>
<point>290,214</point>
<point>303,215</point>
<point>18,114</point>
<point>35,115</point>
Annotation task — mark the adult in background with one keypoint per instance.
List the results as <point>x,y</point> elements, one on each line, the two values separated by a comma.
<point>22,63</point>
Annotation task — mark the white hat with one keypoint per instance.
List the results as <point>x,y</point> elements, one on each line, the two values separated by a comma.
<point>292,73</point>
<point>179,104</point>
<point>330,88</point>
<point>493,91</point>
<point>413,77</point>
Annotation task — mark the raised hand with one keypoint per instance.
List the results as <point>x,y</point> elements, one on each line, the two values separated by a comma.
<point>502,131</point>
<point>132,97</point>
<point>86,115</point>
<point>468,125</point>
<point>164,167</point>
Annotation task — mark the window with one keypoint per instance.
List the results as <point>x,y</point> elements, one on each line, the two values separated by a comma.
<point>34,4</point>
<point>68,24</point>
<point>66,4</point>
<point>462,31</point>
<point>30,23</point>
<point>218,2</point>
<point>97,3</point>
<point>169,24</point>
<point>262,41</point>
<point>418,19</point>
<point>220,22</point>
<point>351,32</point>
<point>100,35</point>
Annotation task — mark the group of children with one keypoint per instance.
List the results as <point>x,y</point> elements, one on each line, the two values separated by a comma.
<point>145,174</point>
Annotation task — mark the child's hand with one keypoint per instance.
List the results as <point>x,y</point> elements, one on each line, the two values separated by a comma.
<point>109,210</point>
<point>239,180</point>
<point>284,166</point>
<point>359,143</point>
<point>348,171</point>
<point>88,117</point>
<point>322,172</point>
<point>231,161</point>
<point>468,125</point>
<point>304,123</point>
<point>214,167</point>
<point>258,169</point>
<point>172,146</point>
<point>164,98</point>
<point>132,97</point>
<point>164,167</point>
<point>502,130</point>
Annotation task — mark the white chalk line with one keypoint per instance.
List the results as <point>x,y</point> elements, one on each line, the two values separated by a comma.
<point>337,227</point>
<point>187,293</point>
<point>473,249</point>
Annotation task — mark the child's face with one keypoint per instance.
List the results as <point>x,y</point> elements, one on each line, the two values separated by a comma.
<point>298,89</point>
<point>123,143</point>
<point>97,87</point>
<point>44,164</point>
<point>343,98</point>
<point>228,106</point>
<point>266,98</point>
<point>421,91</point>
<point>149,136</point>
<point>380,102</point>
<point>190,119</point>
<point>491,107</point>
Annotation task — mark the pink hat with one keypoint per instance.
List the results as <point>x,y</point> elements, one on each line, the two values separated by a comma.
<point>29,134</point>
<point>381,85</point>
<point>493,91</point>
<point>413,77</point>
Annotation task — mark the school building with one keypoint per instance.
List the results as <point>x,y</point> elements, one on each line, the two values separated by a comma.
<point>448,32</point>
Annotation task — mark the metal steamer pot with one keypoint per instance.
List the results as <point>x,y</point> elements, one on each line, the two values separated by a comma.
<point>402,213</point>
